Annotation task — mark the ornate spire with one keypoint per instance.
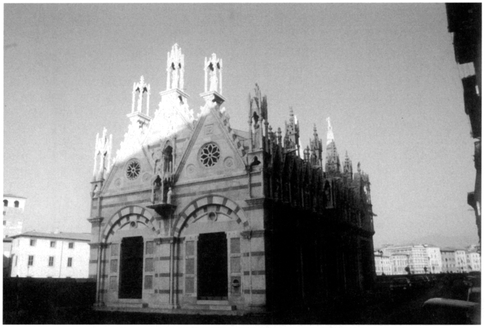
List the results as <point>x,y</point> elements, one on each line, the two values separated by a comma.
<point>316,149</point>
<point>332,164</point>
<point>175,68</point>
<point>140,89</point>
<point>102,156</point>
<point>347,166</point>
<point>213,74</point>
<point>292,134</point>
<point>330,137</point>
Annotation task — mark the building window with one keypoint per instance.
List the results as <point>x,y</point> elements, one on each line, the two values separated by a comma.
<point>51,260</point>
<point>33,242</point>
<point>209,155</point>
<point>5,202</point>
<point>71,245</point>
<point>31,260</point>
<point>4,222</point>
<point>69,262</point>
<point>53,244</point>
<point>16,203</point>
<point>133,170</point>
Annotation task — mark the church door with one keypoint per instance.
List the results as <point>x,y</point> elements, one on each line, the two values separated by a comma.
<point>131,269</point>
<point>212,266</point>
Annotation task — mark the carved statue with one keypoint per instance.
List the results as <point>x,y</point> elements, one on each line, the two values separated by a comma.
<point>175,68</point>
<point>212,78</point>
<point>175,76</point>
<point>213,68</point>
<point>169,196</point>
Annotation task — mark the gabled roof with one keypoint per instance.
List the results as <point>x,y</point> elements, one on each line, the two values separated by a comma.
<point>52,235</point>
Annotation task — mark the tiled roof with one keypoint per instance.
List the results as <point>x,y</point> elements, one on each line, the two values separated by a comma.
<point>52,235</point>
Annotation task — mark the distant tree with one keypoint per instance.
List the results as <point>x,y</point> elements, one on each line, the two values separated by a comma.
<point>407,270</point>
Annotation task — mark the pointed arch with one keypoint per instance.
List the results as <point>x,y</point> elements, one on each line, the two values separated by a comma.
<point>126,215</point>
<point>227,206</point>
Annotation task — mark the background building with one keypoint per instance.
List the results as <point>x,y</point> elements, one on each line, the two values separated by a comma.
<point>434,259</point>
<point>424,259</point>
<point>50,255</point>
<point>416,257</point>
<point>13,219</point>
<point>194,214</point>
<point>473,261</point>
<point>383,264</point>
<point>13,215</point>
<point>448,259</point>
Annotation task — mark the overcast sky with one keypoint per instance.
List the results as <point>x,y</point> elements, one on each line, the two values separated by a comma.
<point>384,73</point>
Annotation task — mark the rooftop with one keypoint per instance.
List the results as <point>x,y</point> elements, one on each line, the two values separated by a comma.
<point>13,196</point>
<point>53,235</point>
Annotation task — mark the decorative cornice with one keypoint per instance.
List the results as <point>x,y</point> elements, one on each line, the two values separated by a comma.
<point>163,209</point>
<point>96,219</point>
<point>256,201</point>
<point>98,245</point>
<point>177,91</point>
<point>213,96</point>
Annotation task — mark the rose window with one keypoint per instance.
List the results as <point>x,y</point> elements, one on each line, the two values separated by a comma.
<point>209,155</point>
<point>133,170</point>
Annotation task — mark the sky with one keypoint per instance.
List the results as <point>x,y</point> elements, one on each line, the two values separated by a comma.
<point>384,73</point>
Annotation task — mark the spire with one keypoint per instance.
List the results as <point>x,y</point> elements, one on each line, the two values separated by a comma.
<point>330,137</point>
<point>316,149</point>
<point>332,164</point>
<point>292,134</point>
<point>213,74</point>
<point>174,97</point>
<point>257,117</point>
<point>140,90</point>
<point>175,68</point>
<point>347,166</point>
<point>212,83</point>
<point>102,156</point>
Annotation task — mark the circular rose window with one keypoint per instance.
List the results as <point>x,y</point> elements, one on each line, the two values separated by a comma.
<point>133,170</point>
<point>209,155</point>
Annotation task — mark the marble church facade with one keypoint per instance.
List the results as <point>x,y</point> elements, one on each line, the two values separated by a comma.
<point>192,214</point>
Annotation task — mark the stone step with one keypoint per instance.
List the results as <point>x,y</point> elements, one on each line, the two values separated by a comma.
<point>213,307</point>
<point>138,305</point>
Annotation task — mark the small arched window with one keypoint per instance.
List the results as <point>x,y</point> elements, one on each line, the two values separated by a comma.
<point>5,202</point>
<point>16,203</point>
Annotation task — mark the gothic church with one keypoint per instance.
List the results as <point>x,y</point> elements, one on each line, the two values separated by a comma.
<point>194,215</point>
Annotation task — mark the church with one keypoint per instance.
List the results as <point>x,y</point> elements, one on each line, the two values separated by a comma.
<point>192,215</point>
